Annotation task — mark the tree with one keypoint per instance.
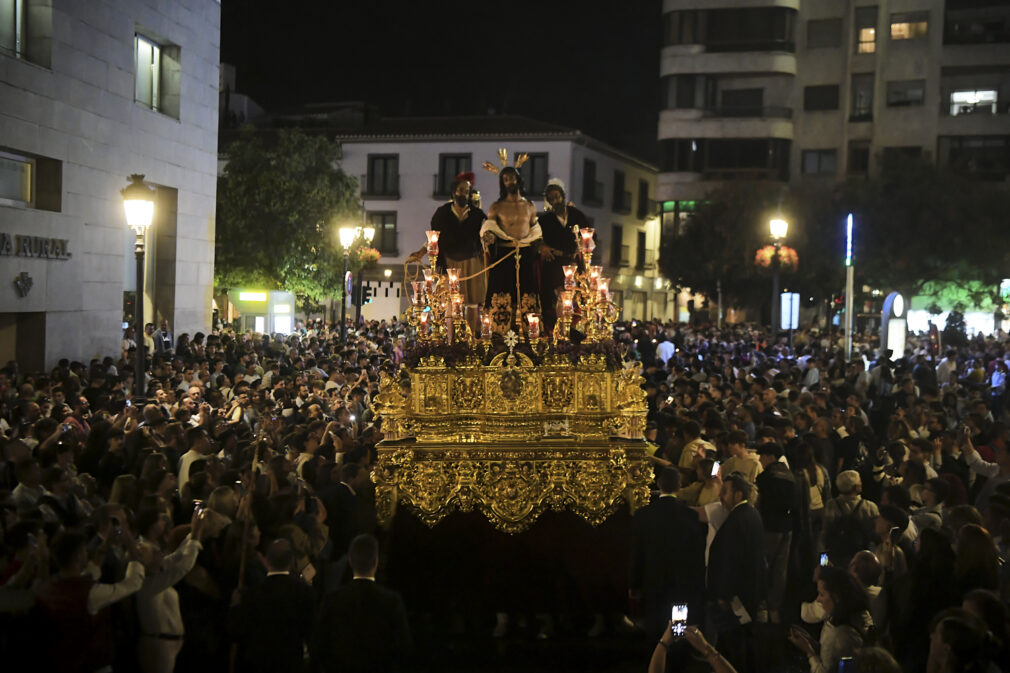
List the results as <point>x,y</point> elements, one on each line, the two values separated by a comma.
<point>920,226</point>
<point>279,203</point>
<point>719,242</point>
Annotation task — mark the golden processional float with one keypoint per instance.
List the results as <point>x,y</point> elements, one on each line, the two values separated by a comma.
<point>515,422</point>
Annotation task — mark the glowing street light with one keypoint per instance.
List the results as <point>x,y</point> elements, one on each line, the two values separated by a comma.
<point>138,205</point>
<point>778,229</point>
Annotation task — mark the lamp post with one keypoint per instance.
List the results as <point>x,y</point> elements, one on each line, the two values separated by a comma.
<point>367,233</point>
<point>778,229</point>
<point>850,321</point>
<point>138,202</point>
<point>346,239</point>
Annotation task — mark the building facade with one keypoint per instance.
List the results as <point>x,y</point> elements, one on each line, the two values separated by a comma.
<point>91,92</point>
<point>405,168</point>
<point>796,90</point>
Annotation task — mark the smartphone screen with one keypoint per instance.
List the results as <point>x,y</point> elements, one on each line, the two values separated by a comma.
<point>824,559</point>
<point>846,665</point>
<point>679,617</point>
<point>715,468</point>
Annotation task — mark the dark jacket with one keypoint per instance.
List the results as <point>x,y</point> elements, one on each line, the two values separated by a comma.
<point>736,560</point>
<point>362,627</point>
<point>777,502</point>
<point>273,623</point>
<point>668,557</point>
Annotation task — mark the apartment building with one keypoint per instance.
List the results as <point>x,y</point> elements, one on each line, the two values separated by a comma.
<point>787,91</point>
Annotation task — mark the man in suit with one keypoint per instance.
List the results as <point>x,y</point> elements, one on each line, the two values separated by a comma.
<point>736,572</point>
<point>362,627</point>
<point>667,556</point>
<point>273,622</point>
<point>341,503</point>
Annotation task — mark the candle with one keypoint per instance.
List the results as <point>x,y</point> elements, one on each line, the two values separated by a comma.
<point>453,279</point>
<point>595,273</point>
<point>457,304</point>
<point>566,304</point>
<point>587,238</point>
<point>485,327</point>
<point>429,280</point>
<point>418,286</point>
<point>603,285</point>
<point>432,237</point>
<point>423,327</point>
<point>534,321</point>
<point>569,271</point>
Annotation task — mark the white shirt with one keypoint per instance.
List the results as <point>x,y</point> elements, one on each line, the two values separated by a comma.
<point>157,600</point>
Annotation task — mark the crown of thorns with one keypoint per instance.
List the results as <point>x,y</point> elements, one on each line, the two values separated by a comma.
<point>503,159</point>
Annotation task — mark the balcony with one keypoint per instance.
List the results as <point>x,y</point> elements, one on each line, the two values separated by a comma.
<point>647,208</point>
<point>744,174</point>
<point>622,202</point>
<point>759,111</point>
<point>380,188</point>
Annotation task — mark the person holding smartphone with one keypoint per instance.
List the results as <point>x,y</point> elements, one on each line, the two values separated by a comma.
<point>846,608</point>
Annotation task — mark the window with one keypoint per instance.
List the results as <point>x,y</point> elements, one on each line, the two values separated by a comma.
<point>862,98</point>
<point>985,157</point>
<point>682,27</point>
<point>973,101</point>
<point>824,33</point>
<point>158,76</point>
<point>592,191</point>
<point>682,156</point>
<point>820,97</point>
<point>819,162</point>
<point>909,25</point>
<point>750,29</point>
<point>26,30</point>
<point>385,232</point>
<point>12,26</point>
<point>640,251</point>
<point>16,175</point>
<point>622,198</point>
<point>616,245</point>
<point>906,93</point>
<point>859,157</point>
<point>534,174</point>
<point>866,30</point>
<point>680,92</point>
<point>449,166</point>
<point>742,102</point>
<point>646,206</point>
<point>383,177</point>
<point>30,181</point>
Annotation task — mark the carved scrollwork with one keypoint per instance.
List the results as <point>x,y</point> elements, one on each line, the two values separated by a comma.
<point>511,485</point>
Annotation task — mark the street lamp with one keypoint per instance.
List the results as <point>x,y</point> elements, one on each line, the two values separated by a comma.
<point>367,233</point>
<point>138,203</point>
<point>778,229</point>
<point>346,239</point>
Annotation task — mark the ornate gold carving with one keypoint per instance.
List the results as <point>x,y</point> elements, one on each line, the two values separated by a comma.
<point>501,312</point>
<point>468,393</point>
<point>512,485</point>
<point>557,392</point>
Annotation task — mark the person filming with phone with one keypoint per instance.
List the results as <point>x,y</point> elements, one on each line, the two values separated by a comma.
<point>847,617</point>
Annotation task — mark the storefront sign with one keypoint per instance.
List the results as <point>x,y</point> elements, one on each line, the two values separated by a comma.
<point>16,245</point>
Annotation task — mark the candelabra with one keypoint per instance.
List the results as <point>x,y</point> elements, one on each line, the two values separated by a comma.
<point>436,304</point>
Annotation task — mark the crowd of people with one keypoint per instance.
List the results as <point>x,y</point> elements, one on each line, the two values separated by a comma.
<point>809,512</point>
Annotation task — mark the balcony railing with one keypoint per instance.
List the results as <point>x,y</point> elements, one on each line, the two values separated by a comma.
<point>647,208</point>
<point>381,188</point>
<point>751,45</point>
<point>744,174</point>
<point>760,111</point>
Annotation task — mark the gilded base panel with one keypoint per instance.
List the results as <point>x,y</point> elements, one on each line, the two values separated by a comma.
<point>511,483</point>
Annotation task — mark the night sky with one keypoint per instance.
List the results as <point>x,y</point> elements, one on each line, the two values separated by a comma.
<point>590,65</point>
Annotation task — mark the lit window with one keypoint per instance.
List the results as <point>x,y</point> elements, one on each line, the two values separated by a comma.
<point>12,26</point>
<point>866,30</point>
<point>16,179</point>
<point>158,74</point>
<point>909,25</point>
<point>973,101</point>
<point>148,72</point>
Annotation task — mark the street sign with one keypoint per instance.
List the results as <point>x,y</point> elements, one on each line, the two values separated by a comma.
<point>790,310</point>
